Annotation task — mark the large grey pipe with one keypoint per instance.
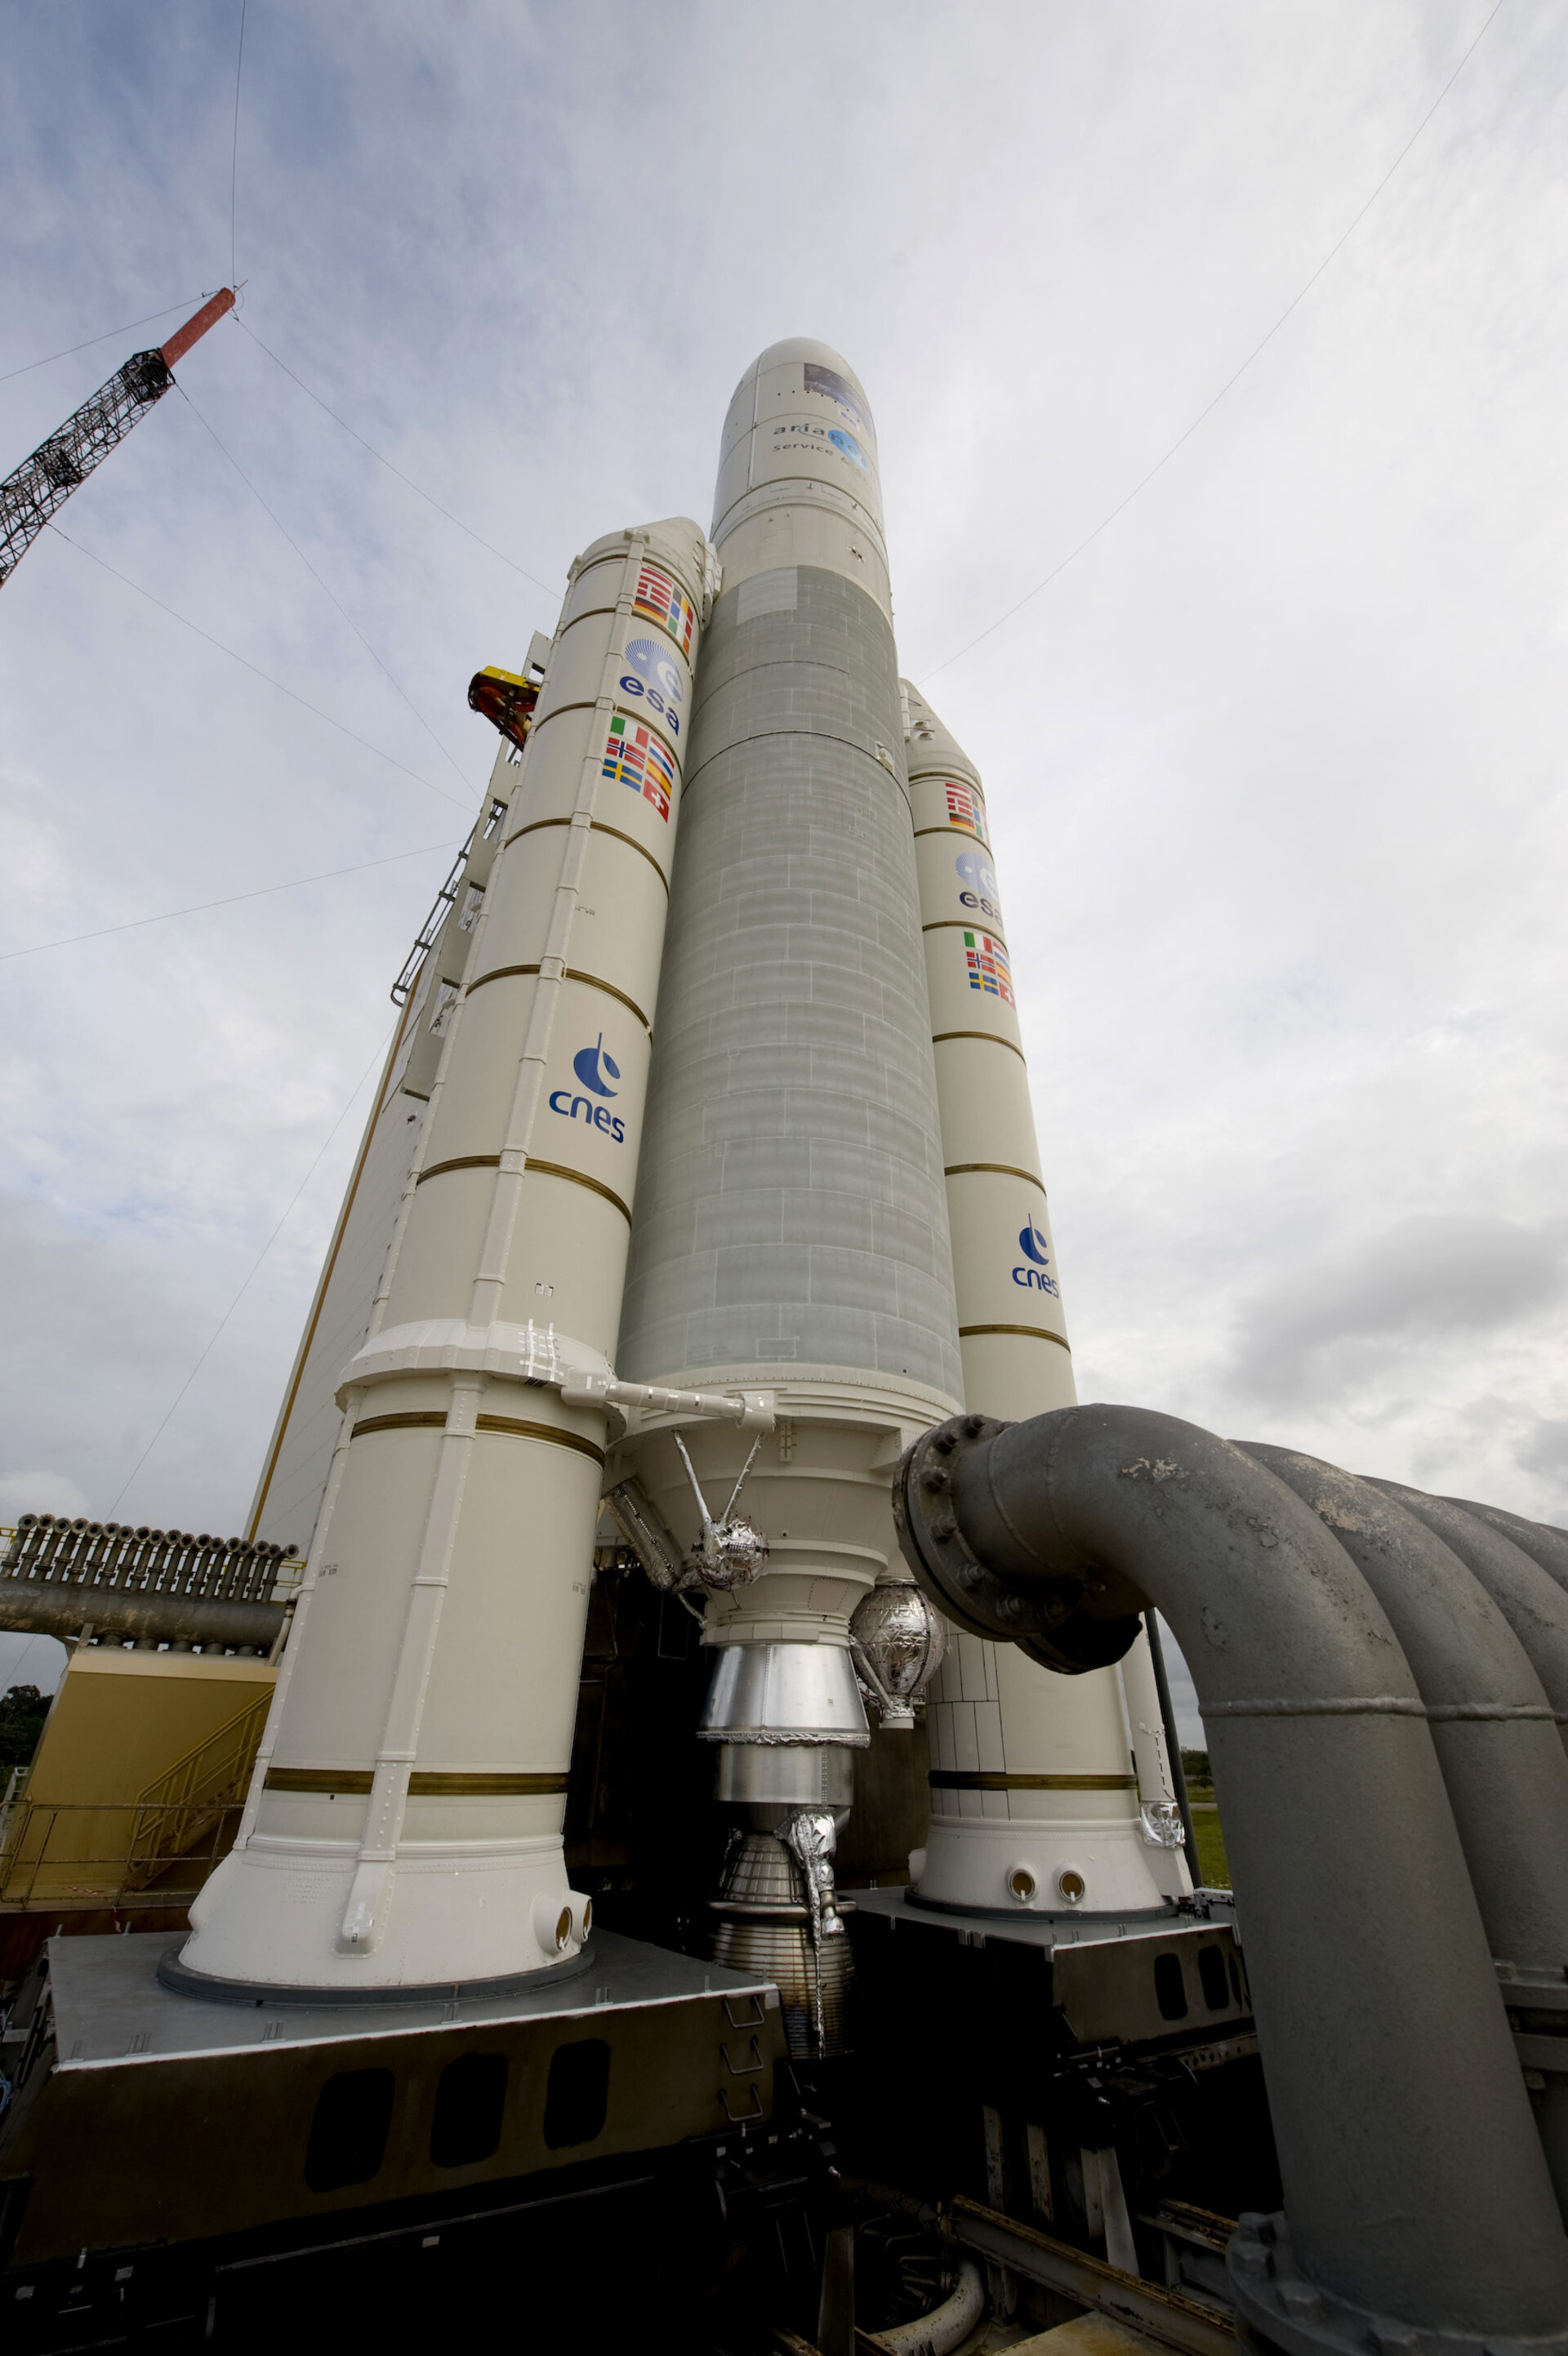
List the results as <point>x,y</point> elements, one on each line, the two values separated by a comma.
<point>64,1608</point>
<point>1542,1541</point>
<point>1529,1596</point>
<point>1416,2193</point>
<point>1492,1726</point>
<point>1496,1743</point>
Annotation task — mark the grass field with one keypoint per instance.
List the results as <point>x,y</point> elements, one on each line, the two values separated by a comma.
<point>1213,1866</point>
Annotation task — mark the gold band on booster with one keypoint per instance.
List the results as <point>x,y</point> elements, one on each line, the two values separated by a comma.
<point>349,1780</point>
<point>950,1779</point>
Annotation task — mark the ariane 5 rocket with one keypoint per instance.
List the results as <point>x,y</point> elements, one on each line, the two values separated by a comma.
<point>702,1179</point>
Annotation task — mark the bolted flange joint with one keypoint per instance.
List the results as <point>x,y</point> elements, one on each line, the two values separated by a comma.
<point>1279,2309</point>
<point>1042,1614</point>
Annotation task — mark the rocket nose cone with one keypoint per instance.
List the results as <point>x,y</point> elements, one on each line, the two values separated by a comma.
<point>928,744</point>
<point>810,367</point>
<point>801,351</point>
<point>799,414</point>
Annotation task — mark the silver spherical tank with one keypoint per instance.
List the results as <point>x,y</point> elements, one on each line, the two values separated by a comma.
<point>790,1231</point>
<point>899,1640</point>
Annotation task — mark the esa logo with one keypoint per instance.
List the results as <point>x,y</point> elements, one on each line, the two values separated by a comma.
<point>1035,1250</point>
<point>595,1068</point>
<point>650,675</point>
<point>844,443</point>
<point>977,877</point>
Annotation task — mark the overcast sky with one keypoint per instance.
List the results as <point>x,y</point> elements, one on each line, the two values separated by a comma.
<point>1274,767</point>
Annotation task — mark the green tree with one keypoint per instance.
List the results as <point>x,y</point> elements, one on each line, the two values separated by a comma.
<point>22,1709</point>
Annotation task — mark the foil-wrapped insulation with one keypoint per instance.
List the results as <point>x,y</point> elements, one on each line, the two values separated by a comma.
<point>898,1641</point>
<point>645,1533</point>
<point>767,1923</point>
<point>811,1835</point>
<point>731,1554</point>
<point>730,1551</point>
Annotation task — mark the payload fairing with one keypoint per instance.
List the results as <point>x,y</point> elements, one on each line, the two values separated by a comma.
<point>727,1175</point>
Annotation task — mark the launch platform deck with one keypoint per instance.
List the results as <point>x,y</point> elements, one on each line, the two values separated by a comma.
<point>110,2008</point>
<point>1169,1976</point>
<point>1214,1910</point>
<point>169,2118</point>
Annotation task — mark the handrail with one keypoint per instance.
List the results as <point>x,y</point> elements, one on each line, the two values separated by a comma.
<point>195,1797</point>
<point>212,1774</point>
<point>238,1734</point>
<point>115,1880</point>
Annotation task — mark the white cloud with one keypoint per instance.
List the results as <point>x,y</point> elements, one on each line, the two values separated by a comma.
<point>38,1493</point>
<point>1351,1314</point>
<point>1274,767</point>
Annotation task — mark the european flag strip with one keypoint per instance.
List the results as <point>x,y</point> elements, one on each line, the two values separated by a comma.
<point>660,599</point>
<point>988,967</point>
<point>966,809</point>
<point>635,758</point>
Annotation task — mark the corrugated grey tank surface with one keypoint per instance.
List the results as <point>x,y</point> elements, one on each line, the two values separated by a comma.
<point>791,1201</point>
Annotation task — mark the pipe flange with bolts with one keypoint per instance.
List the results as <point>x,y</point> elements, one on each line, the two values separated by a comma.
<point>1043,1617</point>
<point>1279,2309</point>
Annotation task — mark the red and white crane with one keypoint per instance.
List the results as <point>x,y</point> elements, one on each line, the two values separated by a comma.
<point>42,483</point>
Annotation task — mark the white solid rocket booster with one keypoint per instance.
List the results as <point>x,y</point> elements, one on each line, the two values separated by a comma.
<point>1035,1802</point>
<point>404,1824</point>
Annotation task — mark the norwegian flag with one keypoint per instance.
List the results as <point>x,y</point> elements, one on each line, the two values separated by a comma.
<point>986,960</point>
<point>635,758</point>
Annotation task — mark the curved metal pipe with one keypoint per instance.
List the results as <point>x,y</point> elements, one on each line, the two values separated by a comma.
<point>1528,1597</point>
<point>1497,1744</point>
<point>1417,2191</point>
<point>1492,1726</point>
<point>1542,1541</point>
<point>937,2333</point>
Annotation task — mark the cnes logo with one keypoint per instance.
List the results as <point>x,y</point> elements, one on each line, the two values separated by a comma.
<point>1037,1250</point>
<point>596,1069</point>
